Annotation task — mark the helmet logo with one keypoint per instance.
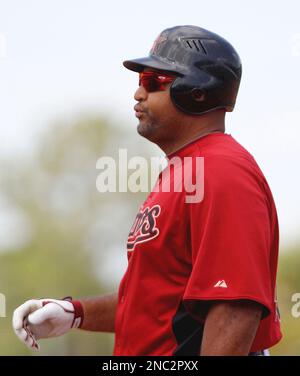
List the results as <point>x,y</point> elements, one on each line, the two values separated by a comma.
<point>158,41</point>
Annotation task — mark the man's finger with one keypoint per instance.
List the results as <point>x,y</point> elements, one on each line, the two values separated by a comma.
<point>27,338</point>
<point>22,334</point>
<point>30,340</point>
<point>23,311</point>
<point>40,315</point>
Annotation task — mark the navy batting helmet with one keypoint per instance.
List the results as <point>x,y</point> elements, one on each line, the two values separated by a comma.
<point>208,68</point>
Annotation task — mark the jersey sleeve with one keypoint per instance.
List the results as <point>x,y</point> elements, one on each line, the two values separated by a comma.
<point>230,235</point>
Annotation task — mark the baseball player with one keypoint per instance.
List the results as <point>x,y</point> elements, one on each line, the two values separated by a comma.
<point>201,275</point>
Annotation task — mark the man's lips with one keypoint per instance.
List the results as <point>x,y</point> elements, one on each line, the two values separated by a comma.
<point>138,110</point>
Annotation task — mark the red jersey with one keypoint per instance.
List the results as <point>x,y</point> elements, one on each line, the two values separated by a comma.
<point>181,255</point>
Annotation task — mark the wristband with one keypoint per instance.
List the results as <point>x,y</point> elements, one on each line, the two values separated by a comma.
<point>78,314</point>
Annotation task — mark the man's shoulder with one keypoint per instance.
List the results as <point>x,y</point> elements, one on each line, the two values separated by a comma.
<point>223,146</point>
<point>225,152</point>
<point>227,162</point>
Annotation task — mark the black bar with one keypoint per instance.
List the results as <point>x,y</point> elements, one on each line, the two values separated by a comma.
<point>101,365</point>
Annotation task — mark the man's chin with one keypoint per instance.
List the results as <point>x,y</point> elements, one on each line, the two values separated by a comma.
<point>146,132</point>
<point>142,129</point>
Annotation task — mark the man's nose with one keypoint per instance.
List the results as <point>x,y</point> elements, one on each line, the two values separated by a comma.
<point>140,94</point>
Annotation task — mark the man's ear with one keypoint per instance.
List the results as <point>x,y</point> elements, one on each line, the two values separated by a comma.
<point>198,95</point>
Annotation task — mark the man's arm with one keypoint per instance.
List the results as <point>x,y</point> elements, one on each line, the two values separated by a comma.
<point>230,327</point>
<point>99,313</point>
<point>45,318</point>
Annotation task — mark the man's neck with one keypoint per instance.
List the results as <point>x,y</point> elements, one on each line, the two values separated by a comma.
<point>190,128</point>
<point>202,134</point>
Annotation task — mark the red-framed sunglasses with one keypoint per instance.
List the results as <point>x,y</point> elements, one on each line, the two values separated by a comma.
<point>155,81</point>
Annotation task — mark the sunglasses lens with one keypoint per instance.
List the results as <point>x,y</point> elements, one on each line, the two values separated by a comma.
<point>150,84</point>
<point>154,81</point>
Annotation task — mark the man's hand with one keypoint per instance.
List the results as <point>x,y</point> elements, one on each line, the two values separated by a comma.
<point>44,318</point>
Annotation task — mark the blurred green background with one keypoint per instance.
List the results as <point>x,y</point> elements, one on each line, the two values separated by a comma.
<point>65,238</point>
<point>62,236</point>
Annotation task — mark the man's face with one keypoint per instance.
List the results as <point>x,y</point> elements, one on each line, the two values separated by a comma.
<point>156,113</point>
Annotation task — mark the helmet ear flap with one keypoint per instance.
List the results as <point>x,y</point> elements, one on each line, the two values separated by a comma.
<point>201,92</point>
